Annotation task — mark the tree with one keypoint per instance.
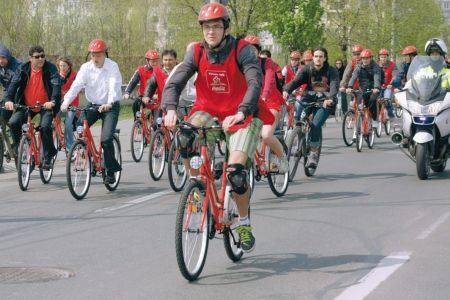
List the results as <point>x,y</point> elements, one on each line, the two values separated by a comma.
<point>296,24</point>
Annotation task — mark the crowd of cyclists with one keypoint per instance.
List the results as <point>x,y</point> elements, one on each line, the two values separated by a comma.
<point>237,84</point>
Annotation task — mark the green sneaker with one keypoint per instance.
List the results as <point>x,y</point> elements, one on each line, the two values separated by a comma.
<point>246,237</point>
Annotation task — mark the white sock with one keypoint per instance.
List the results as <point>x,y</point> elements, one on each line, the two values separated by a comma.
<point>244,220</point>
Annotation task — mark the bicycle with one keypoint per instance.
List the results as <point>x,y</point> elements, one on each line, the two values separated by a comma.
<point>364,129</point>
<point>383,118</point>
<point>203,211</point>
<point>29,152</point>
<point>160,145</point>
<point>349,122</point>
<point>58,134</point>
<point>298,141</point>
<point>6,150</point>
<point>87,159</point>
<point>141,131</point>
<point>263,166</point>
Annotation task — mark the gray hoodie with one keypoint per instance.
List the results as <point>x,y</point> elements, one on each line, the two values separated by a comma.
<point>7,72</point>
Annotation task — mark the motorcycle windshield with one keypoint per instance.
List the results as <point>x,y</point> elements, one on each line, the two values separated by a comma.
<point>425,77</point>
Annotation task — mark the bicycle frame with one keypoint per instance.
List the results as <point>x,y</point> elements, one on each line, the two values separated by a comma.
<point>260,160</point>
<point>29,130</point>
<point>146,128</point>
<point>59,133</point>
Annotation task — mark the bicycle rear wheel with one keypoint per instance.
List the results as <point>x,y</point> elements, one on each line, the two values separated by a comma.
<point>294,142</point>
<point>118,156</point>
<point>137,141</point>
<point>157,155</point>
<point>24,162</point>
<point>79,170</point>
<point>278,182</point>
<point>191,235</point>
<point>176,170</point>
<point>348,127</point>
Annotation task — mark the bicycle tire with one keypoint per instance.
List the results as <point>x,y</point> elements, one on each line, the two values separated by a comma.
<point>24,163</point>
<point>157,145</point>
<point>278,183</point>
<point>46,175</point>
<point>118,156</point>
<point>387,127</point>
<point>294,142</point>
<point>191,210</point>
<point>79,169</point>
<point>137,141</point>
<point>348,127</point>
<point>2,152</point>
<point>359,135</point>
<point>176,170</point>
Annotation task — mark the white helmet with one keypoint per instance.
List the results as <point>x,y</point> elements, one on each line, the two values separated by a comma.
<point>436,44</point>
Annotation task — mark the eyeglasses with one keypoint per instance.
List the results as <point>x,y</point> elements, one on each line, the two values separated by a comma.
<point>38,56</point>
<point>213,27</point>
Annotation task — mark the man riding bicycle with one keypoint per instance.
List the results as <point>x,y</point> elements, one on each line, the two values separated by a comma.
<point>101,79</point>
<point>320,77</point>
<point>36,81</point>
<point>228,87</point>
<point>8,66</point>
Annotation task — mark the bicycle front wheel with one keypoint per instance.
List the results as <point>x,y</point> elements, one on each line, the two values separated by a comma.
<point>118,157</point>
<point>359,134</point>
<point>157,155</point>
<point>137,141</point>
<point>46,175</point>
<point>2,152</point>
<point>24,162</point>
<point>191,233</point>
<point>348,128</point>
<point>311,171</point>
<point>294,143</point>
<point>176,169</point>
<point>78,170</point>
<point>278,182</point>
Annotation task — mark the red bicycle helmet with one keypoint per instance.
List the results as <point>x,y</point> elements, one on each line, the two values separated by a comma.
<point>409,50</point>
<point>152,54</point>
<point>307,55</point>
<point>383,51</point>
<point>366,53</point>
<point>295,55</point>
<point>357,48</point>
<point>213,11</point>
<point>97,45</point>
<point>253,40</point>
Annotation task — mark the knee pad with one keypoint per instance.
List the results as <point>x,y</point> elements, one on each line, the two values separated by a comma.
<point>237,175</point>
<point>186,142</point>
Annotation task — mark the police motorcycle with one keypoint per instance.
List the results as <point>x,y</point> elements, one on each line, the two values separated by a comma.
<point>425,132</point>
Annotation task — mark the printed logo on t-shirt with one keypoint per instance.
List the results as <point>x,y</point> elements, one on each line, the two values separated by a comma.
<point>218,81</point>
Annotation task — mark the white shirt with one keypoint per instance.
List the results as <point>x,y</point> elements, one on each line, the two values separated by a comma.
<point>101,85</point>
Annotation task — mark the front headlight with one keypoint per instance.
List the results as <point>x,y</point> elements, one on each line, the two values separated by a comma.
<point>196,162</point>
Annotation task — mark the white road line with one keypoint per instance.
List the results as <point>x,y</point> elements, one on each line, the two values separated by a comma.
<point>427,232</point>
<point>134,202</point>
<point>385,268</point>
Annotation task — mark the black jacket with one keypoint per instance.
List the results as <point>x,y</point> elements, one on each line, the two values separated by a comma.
<point>52,84</point>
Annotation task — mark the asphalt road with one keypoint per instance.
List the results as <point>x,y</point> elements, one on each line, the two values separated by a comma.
<point>363,227</point>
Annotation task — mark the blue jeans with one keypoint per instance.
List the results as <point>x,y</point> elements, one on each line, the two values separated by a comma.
<point>316,126</point>
<point>68,129</point>
<point>298,110</point>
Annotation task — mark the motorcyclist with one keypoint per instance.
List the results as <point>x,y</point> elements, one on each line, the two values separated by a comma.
<point>436,48</point>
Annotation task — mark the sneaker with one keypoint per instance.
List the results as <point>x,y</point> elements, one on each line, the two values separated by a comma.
<point>110,178</point>
<point>312,159</point>
<point>374,124</point>
<point>284,165</point>
<point>47,164</point>
<point>246,238</point>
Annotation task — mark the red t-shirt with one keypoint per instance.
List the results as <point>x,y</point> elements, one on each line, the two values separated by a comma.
<point>35,91</point>
<point>66,86</point>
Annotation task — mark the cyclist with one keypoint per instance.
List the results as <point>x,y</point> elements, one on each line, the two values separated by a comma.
<point>266,53</point>
<point>101,79</point>
<point>35,81</point>
<point>356,52</point>
<point>158,81</point>
<point>141,76</point>
<point>368,73</point>
<point>274,100</point>
<point>228,87</point>
<point>8,65</point>
<point>326,77</point>
<point>307,58</point>
<point>390,69</point>
<point>67,74</point>
<point>409,52</point>
<point>291,69</point>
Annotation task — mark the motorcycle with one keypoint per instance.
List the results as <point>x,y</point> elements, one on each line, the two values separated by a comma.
<point>425,132</point>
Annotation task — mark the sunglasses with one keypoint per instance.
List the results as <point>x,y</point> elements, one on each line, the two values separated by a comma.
<point>38,56</point>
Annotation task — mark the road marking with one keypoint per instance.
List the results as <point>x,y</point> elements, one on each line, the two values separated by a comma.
<point>427,232</point>
<point>385,268</point>
<point>133,202</point>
